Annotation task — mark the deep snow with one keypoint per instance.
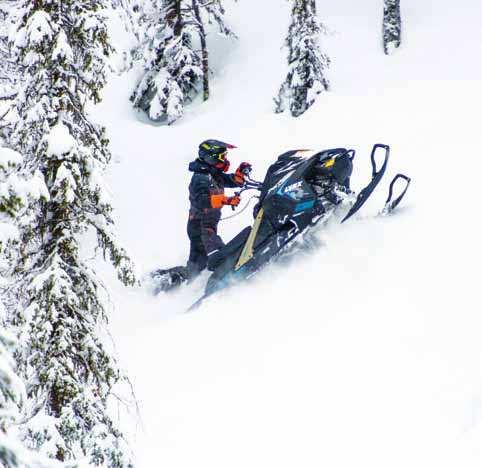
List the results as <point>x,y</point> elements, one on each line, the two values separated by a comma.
<point>366,352</point>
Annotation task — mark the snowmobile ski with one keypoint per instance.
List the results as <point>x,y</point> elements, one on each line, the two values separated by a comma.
<point>376,178</point>
<point>390,204</point>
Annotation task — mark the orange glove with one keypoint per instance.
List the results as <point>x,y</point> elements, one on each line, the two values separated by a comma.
<point>233,201</point>
<point>217,201</point>
<point>242,171</point>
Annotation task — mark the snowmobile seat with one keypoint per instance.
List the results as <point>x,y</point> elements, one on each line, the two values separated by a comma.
<point>234,245</point>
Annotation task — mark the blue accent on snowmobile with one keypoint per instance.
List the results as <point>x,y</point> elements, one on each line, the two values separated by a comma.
<point>280,190</point>
<point>376,177</point>
<point>304,206</point>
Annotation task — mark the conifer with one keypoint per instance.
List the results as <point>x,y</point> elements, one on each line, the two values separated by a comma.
<point>175,56</point>
<point>307,64</point>
<point>392,26</point>
<point>64,47</point>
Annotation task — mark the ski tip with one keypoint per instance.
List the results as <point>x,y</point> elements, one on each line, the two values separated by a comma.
<point>381,145</point>
<point>392,202</point>
<point>196,305</point>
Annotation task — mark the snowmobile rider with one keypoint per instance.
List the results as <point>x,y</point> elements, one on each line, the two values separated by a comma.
<point>206,194</point>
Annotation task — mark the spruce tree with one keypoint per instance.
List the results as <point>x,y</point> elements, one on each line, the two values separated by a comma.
<point>306,63</point>
<point>392,26</point>
<point>12,396</point>
<point>63,47</point>
<point>12,401</point>
<point>9,73</point>
<point>175,56</point>
<point>172,65</point>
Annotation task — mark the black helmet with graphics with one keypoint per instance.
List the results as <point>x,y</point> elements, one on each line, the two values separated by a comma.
<point>214,153</point>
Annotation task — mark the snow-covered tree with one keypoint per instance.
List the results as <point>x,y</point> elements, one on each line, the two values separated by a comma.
<point>5,60</point>
<point>306,62</point>
<point>392,26</point>
<point>63,47</point>
<point>12,398</point>
<point>9,72</point>
<point>174,67</point>
<point>13,454</point>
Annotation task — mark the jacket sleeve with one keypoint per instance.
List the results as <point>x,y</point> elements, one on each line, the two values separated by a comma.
<point>229,181</point>
<point>201,186</point>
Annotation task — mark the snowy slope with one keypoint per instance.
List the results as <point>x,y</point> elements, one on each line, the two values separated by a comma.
<point>366,352</point>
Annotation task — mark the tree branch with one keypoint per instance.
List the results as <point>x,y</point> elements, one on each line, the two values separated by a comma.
<point>8,97</point>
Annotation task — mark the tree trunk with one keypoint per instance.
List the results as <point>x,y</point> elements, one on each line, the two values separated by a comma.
<point>178,25</point>
<point>204,50</point>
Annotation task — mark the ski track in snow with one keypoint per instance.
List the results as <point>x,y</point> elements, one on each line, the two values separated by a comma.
<point>366,352</point>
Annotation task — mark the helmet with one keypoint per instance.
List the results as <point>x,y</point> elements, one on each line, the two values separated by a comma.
<point>214,153</point>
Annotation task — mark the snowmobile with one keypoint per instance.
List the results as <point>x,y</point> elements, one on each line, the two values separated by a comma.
<point>300,190</point>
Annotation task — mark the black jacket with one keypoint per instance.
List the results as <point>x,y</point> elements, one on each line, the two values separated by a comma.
<point>207,181</point>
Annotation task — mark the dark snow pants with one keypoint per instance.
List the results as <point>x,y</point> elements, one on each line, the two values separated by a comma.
<point>202,229</point>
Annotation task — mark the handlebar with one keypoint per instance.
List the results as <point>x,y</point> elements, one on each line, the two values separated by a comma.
<point>249,184</point>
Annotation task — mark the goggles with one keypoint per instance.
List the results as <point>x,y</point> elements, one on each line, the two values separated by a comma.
<point>223,163</point>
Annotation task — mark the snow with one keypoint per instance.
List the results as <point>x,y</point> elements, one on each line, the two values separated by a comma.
<point>9,158</point>
<point>38,28</point>
<point>59,140</point>
<point>33,187</point>
<point>391,47</point>
<point>62,48</point>
<point>91,22</point>
<point>64,176</point>
<point>364,352</point>
<point>8,232</point>
<point>14,187</point>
